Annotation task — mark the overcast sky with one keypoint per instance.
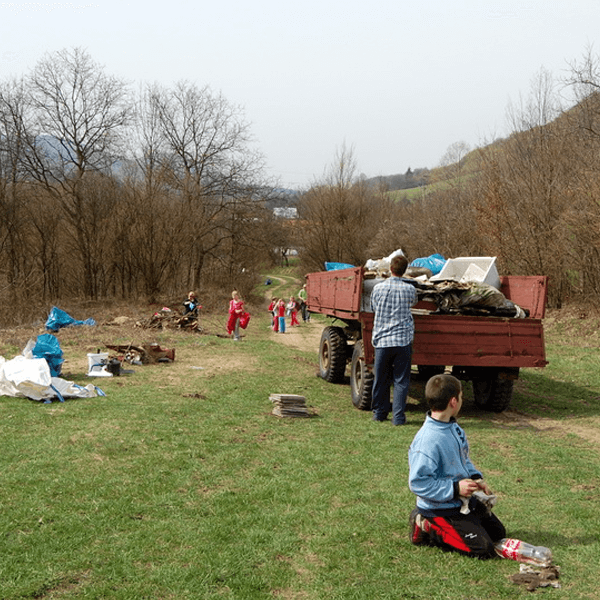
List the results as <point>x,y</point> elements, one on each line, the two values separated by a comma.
<point>396,81</point>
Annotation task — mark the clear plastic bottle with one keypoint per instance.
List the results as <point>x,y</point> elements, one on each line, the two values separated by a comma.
<point>539,556</point>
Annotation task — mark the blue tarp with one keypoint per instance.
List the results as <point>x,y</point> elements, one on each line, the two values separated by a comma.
<point>48,347</point>
<point>435,263</point>
<point>335,266</point>
<point>59,318</point>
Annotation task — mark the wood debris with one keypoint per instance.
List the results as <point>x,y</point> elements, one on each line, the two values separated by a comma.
<point>533,578</point>
<point>144,354</point>
<point>289,405</point>
<point>167,318</point>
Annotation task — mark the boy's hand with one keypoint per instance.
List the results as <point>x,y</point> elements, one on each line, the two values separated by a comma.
<point>484,487</point>
<point>467,486</point>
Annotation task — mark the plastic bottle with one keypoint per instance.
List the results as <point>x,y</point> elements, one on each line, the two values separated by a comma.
<point>539,556</point>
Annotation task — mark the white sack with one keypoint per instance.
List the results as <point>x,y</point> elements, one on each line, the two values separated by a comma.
<point>23,377</point>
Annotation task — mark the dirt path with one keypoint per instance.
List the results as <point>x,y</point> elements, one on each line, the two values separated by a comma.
<point>305,336</point>
<point>587,428</point>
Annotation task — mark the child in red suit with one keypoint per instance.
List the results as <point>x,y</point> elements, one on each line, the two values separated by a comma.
<point>236,308</point>
<point>293,307</point>
<point>274,316</point>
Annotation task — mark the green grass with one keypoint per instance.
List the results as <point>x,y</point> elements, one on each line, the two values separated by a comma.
<point>182,484</point>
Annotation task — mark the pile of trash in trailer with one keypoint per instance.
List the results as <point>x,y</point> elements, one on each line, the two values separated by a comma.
<point>464,285</point>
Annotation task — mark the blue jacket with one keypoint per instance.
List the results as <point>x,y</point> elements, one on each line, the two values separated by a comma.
<point>438,459</point>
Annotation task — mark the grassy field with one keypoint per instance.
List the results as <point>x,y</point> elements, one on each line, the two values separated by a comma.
<point>181,484</point>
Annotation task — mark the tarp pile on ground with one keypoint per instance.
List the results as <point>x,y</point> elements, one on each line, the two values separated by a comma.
<point>59,318</point>
<point>26,376</point>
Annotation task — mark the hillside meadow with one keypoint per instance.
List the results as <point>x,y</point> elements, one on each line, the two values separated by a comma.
<point>180,483</point>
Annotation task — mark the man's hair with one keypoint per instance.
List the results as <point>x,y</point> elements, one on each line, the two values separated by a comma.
<point>398,265</point>
<point>440,389</point>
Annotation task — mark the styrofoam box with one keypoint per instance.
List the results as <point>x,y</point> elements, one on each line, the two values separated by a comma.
<point>470,268</point>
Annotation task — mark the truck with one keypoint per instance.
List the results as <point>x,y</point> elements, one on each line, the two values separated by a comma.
<point>489,351</point>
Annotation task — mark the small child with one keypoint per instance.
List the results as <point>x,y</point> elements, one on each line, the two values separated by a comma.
<point>293,311</point>
<point>191,306</point>
<point>281,315</point>
<point>274,317</point>
<point>443,477</point>
<point>236,309</point>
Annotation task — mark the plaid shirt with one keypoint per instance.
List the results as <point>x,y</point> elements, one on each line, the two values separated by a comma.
<point>391,301</point>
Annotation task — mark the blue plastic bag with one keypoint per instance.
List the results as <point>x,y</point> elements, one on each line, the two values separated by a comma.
<point>59,318</point>
<point>48,347</point>
<point>435,263</point>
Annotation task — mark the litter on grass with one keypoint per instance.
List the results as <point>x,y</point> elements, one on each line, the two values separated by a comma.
<point>59,318</point>
<point>289,405</point>
<point>28,377</point>
<point>532,577</point>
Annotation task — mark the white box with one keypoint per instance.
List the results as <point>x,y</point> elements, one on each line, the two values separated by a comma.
<point>470,268</point>
<point>97,365</point>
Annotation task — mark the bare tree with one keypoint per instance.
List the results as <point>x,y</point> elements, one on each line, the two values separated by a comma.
<point>13,225</point>
<point>524,194</point>
<point>339,216</point>
<point>78,120</point>
<point>210,165</point>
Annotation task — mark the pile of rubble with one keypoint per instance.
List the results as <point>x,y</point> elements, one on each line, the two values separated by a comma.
<point>144,354</point>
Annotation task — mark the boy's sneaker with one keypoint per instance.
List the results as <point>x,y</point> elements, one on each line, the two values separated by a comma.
<point>416,535</point>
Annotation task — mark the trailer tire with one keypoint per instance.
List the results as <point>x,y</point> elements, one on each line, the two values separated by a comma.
<point>361,379</point>
<point>332,354</point>
<point>493,394</point>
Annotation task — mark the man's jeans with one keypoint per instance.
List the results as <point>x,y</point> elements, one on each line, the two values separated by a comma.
<point>392,366</point>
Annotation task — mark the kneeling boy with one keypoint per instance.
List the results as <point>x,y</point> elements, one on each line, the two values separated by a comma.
<point>441,473</point>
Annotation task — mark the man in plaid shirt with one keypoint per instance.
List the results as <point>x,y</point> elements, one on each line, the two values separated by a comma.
<point>393,332</point>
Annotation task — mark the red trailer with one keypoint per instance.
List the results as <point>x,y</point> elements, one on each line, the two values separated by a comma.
<point>487,350</point>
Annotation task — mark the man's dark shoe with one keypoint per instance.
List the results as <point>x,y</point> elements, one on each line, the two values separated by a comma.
<point>378,420</point>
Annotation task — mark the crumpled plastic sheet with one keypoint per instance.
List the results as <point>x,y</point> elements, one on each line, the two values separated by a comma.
<point>27,377</point>
<point>59,318</point>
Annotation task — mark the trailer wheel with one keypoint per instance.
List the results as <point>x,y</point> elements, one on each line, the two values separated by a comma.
<point>361,379</point>
<point>493,394</point>
<point>332,355</point>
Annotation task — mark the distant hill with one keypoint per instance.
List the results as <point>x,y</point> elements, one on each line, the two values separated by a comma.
<point>402,181</point>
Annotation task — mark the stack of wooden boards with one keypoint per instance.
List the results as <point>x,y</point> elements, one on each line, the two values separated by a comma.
<point>289,405</point>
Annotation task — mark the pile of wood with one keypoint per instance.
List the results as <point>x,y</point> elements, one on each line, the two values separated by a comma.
<point>166,318</point>
<point>289,405</point>
<point>144,354</point>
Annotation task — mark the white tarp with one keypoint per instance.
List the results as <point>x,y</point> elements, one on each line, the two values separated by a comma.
<point>25,377</point>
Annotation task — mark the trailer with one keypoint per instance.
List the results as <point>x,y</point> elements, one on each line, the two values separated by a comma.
<point>487,350</point>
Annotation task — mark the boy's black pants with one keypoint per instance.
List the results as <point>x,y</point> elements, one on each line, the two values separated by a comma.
<point>473,534</point>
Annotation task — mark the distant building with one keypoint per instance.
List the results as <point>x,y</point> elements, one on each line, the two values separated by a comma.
<point>286,212</point>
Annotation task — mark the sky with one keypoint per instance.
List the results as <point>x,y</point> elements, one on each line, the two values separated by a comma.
<point>395,82</point>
